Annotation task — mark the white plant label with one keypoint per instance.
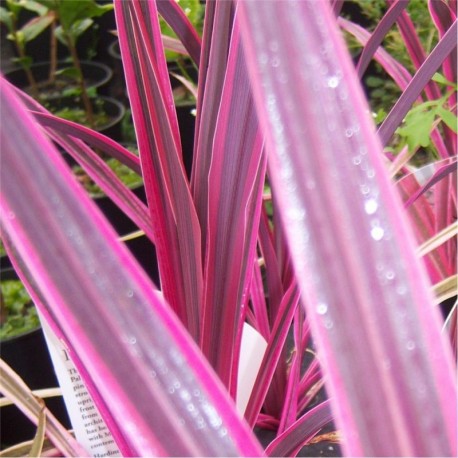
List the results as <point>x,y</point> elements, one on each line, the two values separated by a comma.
<point>90,429</point>
<point>251,353</point>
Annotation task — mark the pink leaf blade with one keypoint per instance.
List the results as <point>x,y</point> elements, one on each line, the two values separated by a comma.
<point>273,353</point>
<point>275,287</point>
<point>415,49</point>
<point>167,189</point>
<point>148,371</point>
<point>290,403</point>
<point>217,31</point>
<point>388,19</point>
<point>423,219</point>
<point>444,16</point>
<point>91,137</point>
<point>399,73</point>
<point>440,174</point>
<point>258,301</point>
<point>337,264</point>
<point>97,169</point>
<point>302,431</point>
<point>171,11</point>
<point>235,183</point>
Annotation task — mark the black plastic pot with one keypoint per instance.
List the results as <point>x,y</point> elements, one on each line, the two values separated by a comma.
<point>28,355</point>
<point>108,105</point>
<point>117,83</point>
<point>96,75</point>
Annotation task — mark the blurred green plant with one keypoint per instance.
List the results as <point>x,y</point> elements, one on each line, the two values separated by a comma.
<point>382,91</point>
<point>18,314</point>
<point>124,173</point>
<point>73,18</point>
<point>415,130</point>
<point>21,36</point>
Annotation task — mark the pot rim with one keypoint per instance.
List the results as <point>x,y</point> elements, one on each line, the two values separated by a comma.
<point>63,63</point>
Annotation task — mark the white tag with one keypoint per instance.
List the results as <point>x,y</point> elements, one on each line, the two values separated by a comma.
<point>90,429</point>
<point>251,353</point>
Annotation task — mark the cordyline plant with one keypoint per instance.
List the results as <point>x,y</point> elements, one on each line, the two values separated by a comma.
<point>332,255</point>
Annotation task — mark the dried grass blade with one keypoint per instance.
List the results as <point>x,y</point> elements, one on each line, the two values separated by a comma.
<point>38,441</point>
<point>12,386</point>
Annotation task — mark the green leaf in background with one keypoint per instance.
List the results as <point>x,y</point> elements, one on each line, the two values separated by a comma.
<point>418,123</point>
<point>14,6</point>
<point>379,116</point>
<point>24,62</point>
<point>36,7</point>
<point>448,118</point>
<point>440,79</point>
<point>79,27</point>
<point>70,72</point>
<point>36,26</point>
<point>417,127</point>
<point>6,18</point>
<point>60,35</point>
<point>70,11</point>
<point>17,37</point>
<point>18,312</point>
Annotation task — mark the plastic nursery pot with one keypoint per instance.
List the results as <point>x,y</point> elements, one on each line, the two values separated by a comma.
<point>96,75</point>
<point>108,113</point>
<point>117,83</point>
<point>28,355</point>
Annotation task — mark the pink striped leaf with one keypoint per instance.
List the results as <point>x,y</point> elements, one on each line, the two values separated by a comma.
<point>291,398</point>
<point>273,353</point>
<point>167,190</point>
<point>68,135</point>
<point>258,302</point>
<point>216,40</point>
<point>302,431</point>
<point>443,172</point>
<point>423,218</point>
<point>366,293</point>
<point>235,183</point>
<point>415,48</point>
<point>149,372</point>
<point>275,291</point>
<point>376,39</point>
<point>444,16</point>
<point>398,72</point>
<point>172,13</point>
<point>93,138</point>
